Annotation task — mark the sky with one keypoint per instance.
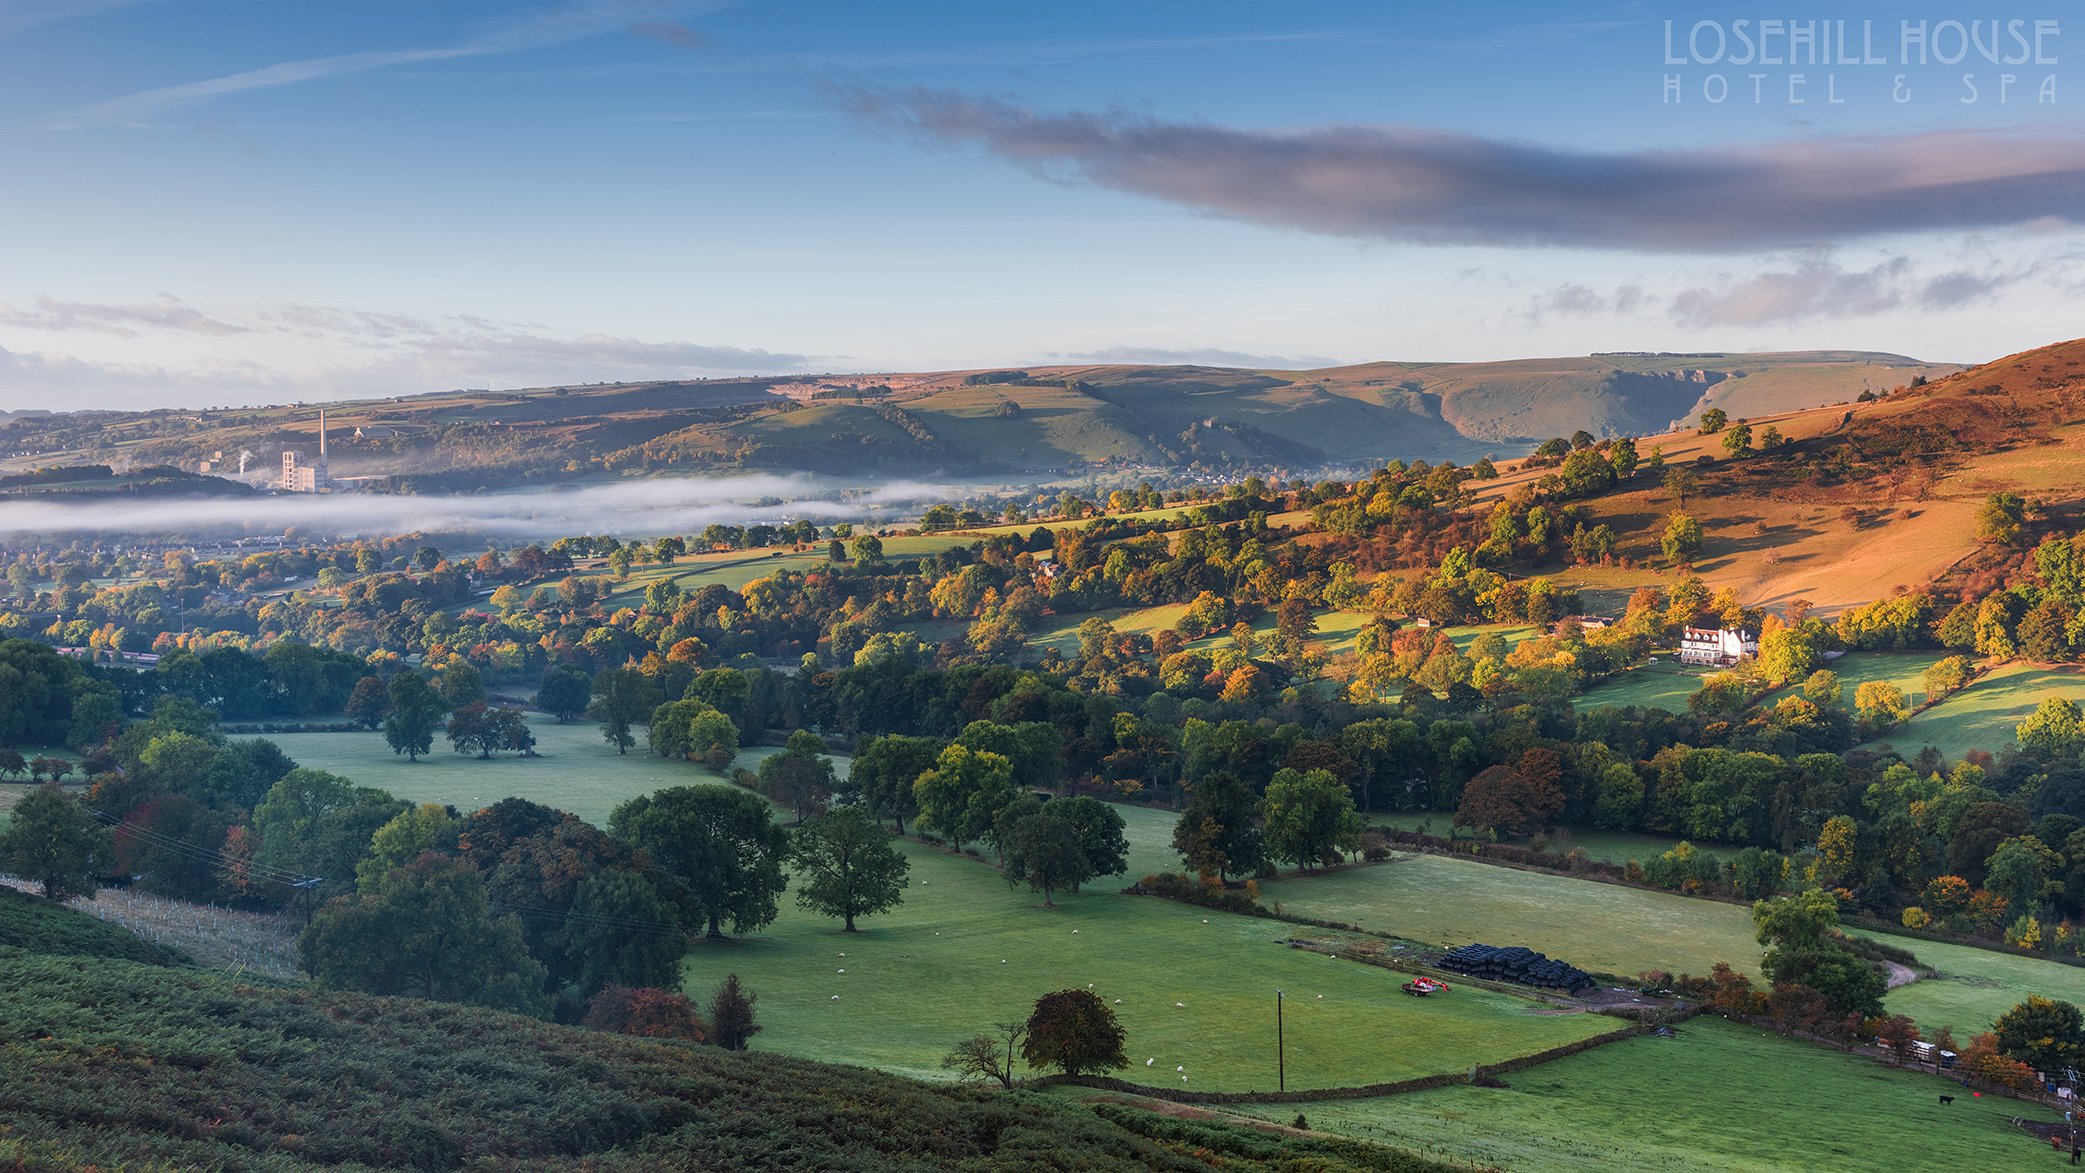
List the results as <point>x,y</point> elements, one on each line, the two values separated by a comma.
<point>216,202</point>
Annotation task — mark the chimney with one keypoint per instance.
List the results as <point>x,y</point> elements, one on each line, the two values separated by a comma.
<point>324,474</point>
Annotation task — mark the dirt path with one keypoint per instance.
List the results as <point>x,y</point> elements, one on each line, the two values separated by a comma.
<point>1899,975</point>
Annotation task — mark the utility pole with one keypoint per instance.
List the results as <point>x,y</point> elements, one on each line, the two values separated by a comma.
<point>1281,1059</point>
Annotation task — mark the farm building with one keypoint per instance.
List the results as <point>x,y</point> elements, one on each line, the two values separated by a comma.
<point>1717,647</point>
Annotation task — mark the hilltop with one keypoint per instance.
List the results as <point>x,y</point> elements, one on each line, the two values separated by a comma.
<point>1036,421</point>
<point>1865,499</point>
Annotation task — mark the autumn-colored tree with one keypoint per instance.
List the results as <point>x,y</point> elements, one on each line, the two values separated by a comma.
<point>1946,895</point>
<point>1897,1033</point>
<point>2041,1032</point>
<point>1982,1059</point>
<point>647,1013</point>
<point>1504,799</point>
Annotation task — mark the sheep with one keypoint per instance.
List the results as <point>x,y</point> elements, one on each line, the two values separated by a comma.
<point>836,997</point>
<point>1179,1068</point>
<point>1180,1005</point>
<point>843,971</point>
<point>1149,1062</point>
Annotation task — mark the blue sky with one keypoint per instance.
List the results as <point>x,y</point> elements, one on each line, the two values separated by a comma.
<point>230,202</point>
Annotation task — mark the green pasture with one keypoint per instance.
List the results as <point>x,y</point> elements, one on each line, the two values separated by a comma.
<point>575,769</point>
<point>1605,846</point>
<point>1604,928</point>
<point>1196,987</point>
<point>1663,685</point>
<point>1974,986</point>
<point>1716,1096</point>
<point>1983,715</point>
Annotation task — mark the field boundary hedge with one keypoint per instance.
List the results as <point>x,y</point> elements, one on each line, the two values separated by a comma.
<point>1361,1092</point>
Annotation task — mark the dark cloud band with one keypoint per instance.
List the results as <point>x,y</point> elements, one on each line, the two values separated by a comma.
<point>1430,187</point>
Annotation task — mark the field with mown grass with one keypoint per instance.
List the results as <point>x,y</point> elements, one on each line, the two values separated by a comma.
<point>1605,846</point>
<point>1196,986</point>
<point>1974,986</point>
<point>1983,715</point>
<point>1606,928</point>
<point>575,769</point>
<point>1661,685</point>
<point>1717,1096</point>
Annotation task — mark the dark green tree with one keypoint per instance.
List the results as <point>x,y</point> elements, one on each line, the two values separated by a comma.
<point>731,1015</point>
<point>846,866</point>
<point>565,692</point>
<point>623,697</point>
<point>2044,1034</point>
<point>801,776</point>
<point>56,841</point>
<point>426,932</point>
<point>368,703</point>
<point>1218,833</point>
<point>720,842</point>
<point>416,713</point>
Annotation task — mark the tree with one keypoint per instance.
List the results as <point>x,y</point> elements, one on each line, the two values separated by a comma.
<point>645,1013</point>
<point>718,840</point>
<point>368,703</point>
<point>2044,1034</point>
<point>461,684</point>
<point>847,867</point>
<point>622,698</point>
<point>1218,833</point>
<point>692,729</point>
<point>471,730</point>
<point>1880,704</point>
<point>314,823</point>
<point>1044,850</point>
<point>565,692</point>
<point>416,712</point>
<point>868,548</point>
<point>1713,421</point>
<point>1737,442</point>
<point>885,769</point>
<point>1310,819</point>
<point>622,932</point>
<point>983,1056</point>
<point>55,841</point>
<point>1075,1032</point>
<point>1680,483</point>
<point>2056,728</point>
<point>411,834</point>
<point>800,776</point>
<point>1101,834</point>
<point>1804,949</point>
<point>2002,518</point>
<point>427,932</point>
<point>962,794</point>
<point>1682,538</point>
<point>731,1014</point>
<point>1504,799</point>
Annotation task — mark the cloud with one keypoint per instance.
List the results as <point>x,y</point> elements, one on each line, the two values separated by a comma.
<point>1808,287</point>
<point>18,16</point>
<point>651,506</point>
<point>359,352</point>
<point>124,321</point>
<point>540,30</point>
<point>1418,186</point>
<point>1206,357</point>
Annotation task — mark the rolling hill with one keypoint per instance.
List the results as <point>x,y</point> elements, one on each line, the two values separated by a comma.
<point>1866,499</point>
<point>1037,421</point>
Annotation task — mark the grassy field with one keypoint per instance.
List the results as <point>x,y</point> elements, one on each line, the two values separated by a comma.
<point>576,771</point>
<point>1717,1096</point>
<point>1983,715</point>
<point>1620,930</point>
<point>1600,927</point>
<point>1975,986</point>
<point>965,950</point>
<point>1607,846</point>
<point>1663,685</point>
<point>1906,670</point>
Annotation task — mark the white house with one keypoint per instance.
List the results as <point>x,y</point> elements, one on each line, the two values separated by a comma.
<point>1717,647</point>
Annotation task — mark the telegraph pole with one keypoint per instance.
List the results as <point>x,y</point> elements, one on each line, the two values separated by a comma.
<point>1281,1059</point>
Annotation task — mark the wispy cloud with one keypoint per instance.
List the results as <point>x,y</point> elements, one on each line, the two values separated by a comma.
<point>1419,186</point>
<point>1808,287</point>
<point>1204,356</point>
<point>164,313</point>
<point>537,30</point>
<point>364,352</point>
<point>17,16</point>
